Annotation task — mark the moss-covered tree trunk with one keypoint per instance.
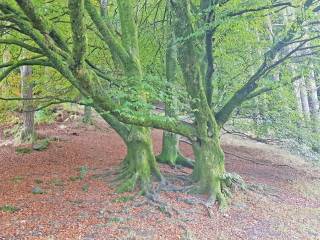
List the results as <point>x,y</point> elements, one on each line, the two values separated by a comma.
<point>170,141</point>
<point>140,163</point>
<point>87,115</point>
<point>170,149</point>
<point>209,168</point>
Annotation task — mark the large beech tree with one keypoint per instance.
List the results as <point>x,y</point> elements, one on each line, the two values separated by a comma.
<point>194,25</point>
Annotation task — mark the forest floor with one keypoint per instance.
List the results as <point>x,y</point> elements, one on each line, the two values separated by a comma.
<point>78,201</point>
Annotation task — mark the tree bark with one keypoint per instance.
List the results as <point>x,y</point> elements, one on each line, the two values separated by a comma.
<point>297,93</point>
<point>209,168</point>
<point>170,142</point>
<point>87,115</point>
<point>140,163</point>
<point>304,100</point>
<point>27,133</point>
<point>313,100</point>
<point>209,158</point>
<point>103,8</point>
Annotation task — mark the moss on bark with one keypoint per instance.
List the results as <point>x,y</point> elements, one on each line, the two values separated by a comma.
<point>139,164</point>
<point>209,169</point>
<point>170,153</point>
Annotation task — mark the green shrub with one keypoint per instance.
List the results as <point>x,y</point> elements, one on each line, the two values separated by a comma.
<point>44,116</point>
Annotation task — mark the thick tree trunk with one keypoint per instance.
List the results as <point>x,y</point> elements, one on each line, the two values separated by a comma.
<point>140,163</point>
<point>209,165</point>
<point>170,148</point>
<point>209,168</point>
<point>27,133</point>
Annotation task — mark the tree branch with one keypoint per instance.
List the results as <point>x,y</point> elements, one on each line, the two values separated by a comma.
<point>21,44</point>
<point>76,9</point>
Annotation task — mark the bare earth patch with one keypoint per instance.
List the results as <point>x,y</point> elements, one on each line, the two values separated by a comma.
<point>78,201</point>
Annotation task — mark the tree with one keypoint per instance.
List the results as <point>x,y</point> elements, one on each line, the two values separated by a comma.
<point>209,169</point>
<point>27,132</point>
<point>122,97</point>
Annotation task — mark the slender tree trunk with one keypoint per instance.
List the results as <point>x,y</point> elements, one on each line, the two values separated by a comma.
<point>6,57</point>
<point>313,100</point>
<point>304,100</point>
<point>87,116</point>
<point>297,93</point>
<point>103,8</point>
<point>27,133</point>
<point>170,153</point>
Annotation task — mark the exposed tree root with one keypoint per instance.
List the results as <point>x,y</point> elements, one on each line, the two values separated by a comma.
<point>233,182</point>
<point>179,160</point>
<point>230,183</point>
<point>185,162</point>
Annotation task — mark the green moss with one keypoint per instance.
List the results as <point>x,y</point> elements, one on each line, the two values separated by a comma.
<point>116,220</point>
<point>9,208</point>
<point>128,185</point>
<point>23,150</point>
<point>38,190</point>
<point>38,181</point>
<point>56,182</point>
<point>17,179</point>
<point>85,187</point>
<point>123,199</point>
<point>74,178</point>
<point>83,171</point>
<point>169,153</point>
<point>41,145</point>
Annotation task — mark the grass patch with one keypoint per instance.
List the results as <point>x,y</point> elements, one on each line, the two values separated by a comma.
<point>9,209</point>
<point>123,199</point>
<point>83,171</point>
<point>23,150</point>
<point>37,190</point>
<point>17,179</point>
<point>38,181</point>
<point>74,178</point>
<point>85,187</point>
<point>116,220</point>
<point>57,182</point>
<point>41,145</point>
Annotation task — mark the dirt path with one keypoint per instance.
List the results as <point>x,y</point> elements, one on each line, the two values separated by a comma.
<point>79,203</point>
